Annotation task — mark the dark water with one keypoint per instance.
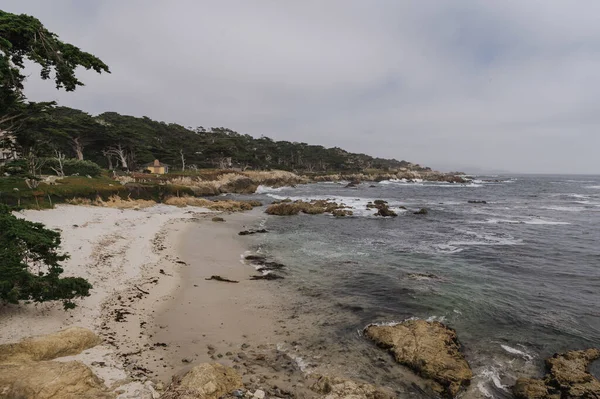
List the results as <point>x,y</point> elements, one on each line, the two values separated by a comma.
<point>518,277</point>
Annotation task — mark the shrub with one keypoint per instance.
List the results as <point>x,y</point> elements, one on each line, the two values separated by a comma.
<point>73,167</point>
<point>30,267</point>
<point>17,168</point>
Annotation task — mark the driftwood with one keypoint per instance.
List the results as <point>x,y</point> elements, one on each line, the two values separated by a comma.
<point>219,278</point>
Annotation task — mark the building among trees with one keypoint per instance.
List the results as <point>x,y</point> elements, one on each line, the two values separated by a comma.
<point>156,167</point>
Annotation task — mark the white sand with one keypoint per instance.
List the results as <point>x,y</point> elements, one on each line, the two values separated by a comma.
<point>120,253</point>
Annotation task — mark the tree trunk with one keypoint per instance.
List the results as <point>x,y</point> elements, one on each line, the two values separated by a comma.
<point>77,147</point>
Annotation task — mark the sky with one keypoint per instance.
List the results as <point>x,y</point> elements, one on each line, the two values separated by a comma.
<point>506,85</point>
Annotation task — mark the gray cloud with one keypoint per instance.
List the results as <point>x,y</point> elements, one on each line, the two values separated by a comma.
<point>510,85</point>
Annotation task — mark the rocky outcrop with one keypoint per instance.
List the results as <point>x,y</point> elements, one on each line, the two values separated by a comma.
<point>70,341</point>
<point>338,388</point>
<point>314,207</point>
<point>205,381</point>
<point>429,348</point>
<point>382,207</point>
<point>422,211</point>
<point>427,175</point>
<point>567,377</point>
<point>51,380</point>
<point>26,372</point>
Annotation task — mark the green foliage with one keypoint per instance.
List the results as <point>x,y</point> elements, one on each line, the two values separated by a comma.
<point>16,168</point>
<point>121,141</point>
<point>73,167</point>
<point>23,37</point>
<point>30,269</point>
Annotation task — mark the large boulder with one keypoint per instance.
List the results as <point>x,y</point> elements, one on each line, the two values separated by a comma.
<point>205,381</point>
<point>429,348</point>
<point>67,342</point>
<point>567,377</point>
<point>338,388</point>
<point>51,380</point>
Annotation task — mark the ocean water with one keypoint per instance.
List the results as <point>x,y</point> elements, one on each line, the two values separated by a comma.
<point>518,277</point>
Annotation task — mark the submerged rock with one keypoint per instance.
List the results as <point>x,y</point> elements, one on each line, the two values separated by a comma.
<point>336,387</point>
<point>207,381</point>
<point>477,202</point>
<point>422,211</point>
<point>567,377</point>
<point>429,348</point>
<point>423,276</point>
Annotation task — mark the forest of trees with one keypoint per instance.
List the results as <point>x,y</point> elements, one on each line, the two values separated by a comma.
<point>116,141</point>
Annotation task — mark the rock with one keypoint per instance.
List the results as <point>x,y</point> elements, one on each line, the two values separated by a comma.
<point>429,348</point>
<point>259,394</point>
<point>477,202</point>
<point>385,212</point>
<point>422,211</point>
<point>50,380</point>
<point>67,342</point>
<point>342,213</point>
<point>529,388</point>
<point>353,184</point>
<point>218,219</point>
<point>338,388</point>
<point>567,377</point>
<point>207,381</point>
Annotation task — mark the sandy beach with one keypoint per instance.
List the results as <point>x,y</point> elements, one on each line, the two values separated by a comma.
<point>151,301</point>
<point>129,258</point>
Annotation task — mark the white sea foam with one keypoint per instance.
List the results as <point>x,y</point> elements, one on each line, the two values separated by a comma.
<point>534,221</point>
<point>475,239</point>
<point>564,208</point>
<point>489,375</point>
<point>266,189</point>
<point>514,351</point>
<point>441,319</point>
<point>593,187</point>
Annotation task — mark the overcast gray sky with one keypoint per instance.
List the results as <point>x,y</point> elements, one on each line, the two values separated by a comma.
<point>500,84</point>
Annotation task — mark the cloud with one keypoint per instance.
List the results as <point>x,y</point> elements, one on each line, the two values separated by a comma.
<point>505,85</point>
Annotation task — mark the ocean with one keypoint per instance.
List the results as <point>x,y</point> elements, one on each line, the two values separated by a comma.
<point>517,277</point>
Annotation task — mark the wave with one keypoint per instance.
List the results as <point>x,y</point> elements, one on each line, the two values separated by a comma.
<point>564,208</point>
<point>513,221</point>
<point>514,351</point>
<point>593,187</point>
<point>490,375</point>
<point>266,189</point>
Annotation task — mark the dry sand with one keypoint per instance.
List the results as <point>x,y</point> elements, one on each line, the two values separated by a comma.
<point>121,253</point>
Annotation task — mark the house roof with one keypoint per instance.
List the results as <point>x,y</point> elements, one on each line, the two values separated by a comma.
<point>156,162</point>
